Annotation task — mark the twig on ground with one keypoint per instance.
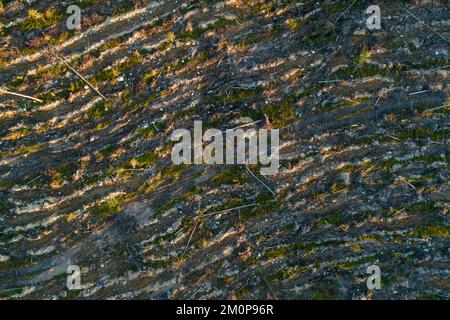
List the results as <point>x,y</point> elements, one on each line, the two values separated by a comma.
<point>357,66</point>
<point>410,184</point>
<point>440,68</point>
<point>334,192</point>
<point>34,179</point>
<point>418,92</point>
<point>190,238</point>
<point>80,76</point>
<point>432,141</point>
<point>328,81</point>
<point>393,137</point>
<point>267,283</point>
<point>178,232</point>
<point>227,210</point>
<point>429,28</point>
<point>343,12</point>
<point>365,171</point>
<point>260,181</point>
<point>264,176</point>
<point>376,102</point>
<point>437,108</point>
<point>324,47</point>
<point>247,124</point>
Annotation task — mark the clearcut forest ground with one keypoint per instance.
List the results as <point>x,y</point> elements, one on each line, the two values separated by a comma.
<point>364,174</point>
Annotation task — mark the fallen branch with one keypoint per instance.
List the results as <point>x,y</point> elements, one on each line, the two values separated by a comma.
<point>418,92</point>
<point>432,141</point>
<point>190,238</point>
<point>81,76</point>
<point>365,171</point>
<point>34,179</point>
<point>267,283</point>
<point>410,184</point>
<point>227,210</point>
<point>260,181</point>
<point>247,124</point>
<point>376,102</point>
<point>431,29</point>
<point>393,137</point>
<point>437,108</point>
<point>329,81</point>
<point>343,12</point>
<point>21,95</point>
<point>334,192</point>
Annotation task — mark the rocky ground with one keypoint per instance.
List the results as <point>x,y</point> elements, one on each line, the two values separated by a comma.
<point>88,180</point>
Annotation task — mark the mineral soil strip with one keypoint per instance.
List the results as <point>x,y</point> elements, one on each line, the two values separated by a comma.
<point>21,95</point>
